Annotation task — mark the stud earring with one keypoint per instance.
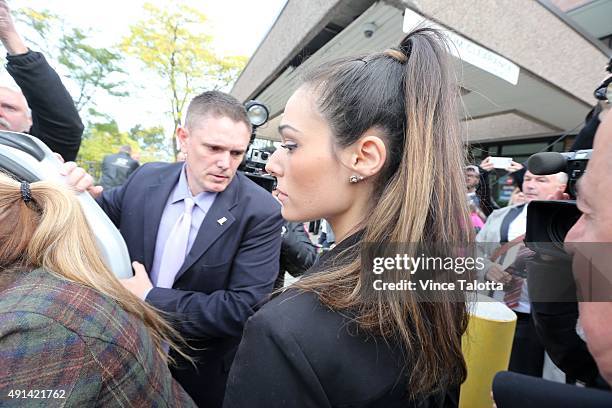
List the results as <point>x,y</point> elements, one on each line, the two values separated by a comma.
<point>355,179</point>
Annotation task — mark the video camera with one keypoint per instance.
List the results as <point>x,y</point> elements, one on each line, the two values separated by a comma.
<point>255,160</point>
<point>548,222</point>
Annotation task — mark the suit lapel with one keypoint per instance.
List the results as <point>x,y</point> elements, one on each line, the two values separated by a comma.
<point>218,220</point>
<point>155,201</point>
<point>505,225</point>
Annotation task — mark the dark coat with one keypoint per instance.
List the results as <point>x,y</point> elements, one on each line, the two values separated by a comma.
<point>298,353</point>
<point>55,120</point>
<point>298,253</point>
<point>229,271</point>
<point>116,168</point>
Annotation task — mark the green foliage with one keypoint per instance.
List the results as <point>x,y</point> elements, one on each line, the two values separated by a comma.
<point>92,69</point>
<point>41,22</point>
<point>153,143</point>
<point>102,138</point>
<point>172,42</point>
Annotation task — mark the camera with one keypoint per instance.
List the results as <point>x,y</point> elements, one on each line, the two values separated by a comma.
<point>255,160</point>
<point>548,222</point>
<point>258,158</point>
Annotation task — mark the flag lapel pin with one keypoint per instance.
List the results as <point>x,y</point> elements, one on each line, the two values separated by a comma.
<point>222,220</point>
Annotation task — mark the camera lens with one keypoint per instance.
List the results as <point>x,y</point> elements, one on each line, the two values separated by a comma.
<point>561,221</point>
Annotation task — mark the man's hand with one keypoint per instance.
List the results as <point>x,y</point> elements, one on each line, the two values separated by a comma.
<point>514,166</point>
<point>79,179</point>
<point>486,164</point>
<point>140,284</point>
<point>497,274</point>
<point>8,34</point>
<point>558,195</point>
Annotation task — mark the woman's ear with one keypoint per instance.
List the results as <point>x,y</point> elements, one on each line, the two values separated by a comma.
<point>367,156</point>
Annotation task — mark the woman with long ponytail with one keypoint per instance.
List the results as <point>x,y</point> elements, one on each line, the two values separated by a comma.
<point>372,145</point>
<point>70,333</point>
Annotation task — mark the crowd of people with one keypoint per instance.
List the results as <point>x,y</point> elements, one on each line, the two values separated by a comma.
<point>207,320</point>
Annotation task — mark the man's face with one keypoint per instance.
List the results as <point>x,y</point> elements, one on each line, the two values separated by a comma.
<point>541,187</point>
<point>14,114</point>
<point>471,179</point>
<point>214,149</point>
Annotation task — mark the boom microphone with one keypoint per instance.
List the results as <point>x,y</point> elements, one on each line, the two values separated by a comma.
<point>545,163</point>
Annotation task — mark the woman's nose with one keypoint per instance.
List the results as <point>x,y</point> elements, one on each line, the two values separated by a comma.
<point>273,166</point>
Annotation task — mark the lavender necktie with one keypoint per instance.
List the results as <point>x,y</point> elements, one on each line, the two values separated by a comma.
<point>175,249</point>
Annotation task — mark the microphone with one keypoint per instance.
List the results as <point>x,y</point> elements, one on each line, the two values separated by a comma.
<point>545,163</point>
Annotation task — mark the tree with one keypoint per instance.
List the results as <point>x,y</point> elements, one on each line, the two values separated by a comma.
<point>101,139</point>
<point>172,43</point>
<point>91,69</point>
<point>153,144</point>
<point>104,137</point>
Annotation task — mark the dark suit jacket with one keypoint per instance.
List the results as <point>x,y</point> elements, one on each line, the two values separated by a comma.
<point>230,269</point>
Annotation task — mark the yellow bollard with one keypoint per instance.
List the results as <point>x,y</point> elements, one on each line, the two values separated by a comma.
<point>486,345</point>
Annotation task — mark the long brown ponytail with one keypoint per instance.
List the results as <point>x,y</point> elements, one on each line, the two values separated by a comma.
<point>410,94</point>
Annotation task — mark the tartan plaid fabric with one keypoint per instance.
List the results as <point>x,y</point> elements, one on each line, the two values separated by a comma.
<point>59,335</point>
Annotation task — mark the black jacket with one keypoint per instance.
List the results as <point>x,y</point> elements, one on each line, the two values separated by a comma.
<point>298,353</point>
<point>298,253</point>
<point>116,168</point>
<point>55,120</point>
<point>554,309</point>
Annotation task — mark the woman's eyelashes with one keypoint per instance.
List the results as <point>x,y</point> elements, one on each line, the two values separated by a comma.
<point>289,146</point>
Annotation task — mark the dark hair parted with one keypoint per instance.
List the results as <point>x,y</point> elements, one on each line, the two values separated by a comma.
<point>410,95</point>
<point>216,104</point>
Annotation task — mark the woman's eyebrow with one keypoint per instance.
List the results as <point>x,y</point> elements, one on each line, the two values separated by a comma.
<point>283,127</point>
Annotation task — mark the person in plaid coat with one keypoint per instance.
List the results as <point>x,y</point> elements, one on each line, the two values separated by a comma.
<point>70,334</point>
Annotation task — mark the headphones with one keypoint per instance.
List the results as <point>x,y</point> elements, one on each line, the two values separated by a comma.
<point>28,159</point>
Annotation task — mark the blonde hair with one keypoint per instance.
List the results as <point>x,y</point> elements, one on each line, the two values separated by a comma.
<point>51,232</point>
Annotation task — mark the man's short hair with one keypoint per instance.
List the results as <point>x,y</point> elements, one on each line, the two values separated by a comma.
<point>126,149</point>
<point>562,177</point>
<point>216,104</point>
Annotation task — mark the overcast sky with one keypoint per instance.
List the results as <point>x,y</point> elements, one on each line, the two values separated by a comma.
<point>238,26</point>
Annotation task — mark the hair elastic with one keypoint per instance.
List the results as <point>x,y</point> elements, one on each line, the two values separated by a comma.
<point>26,194</point>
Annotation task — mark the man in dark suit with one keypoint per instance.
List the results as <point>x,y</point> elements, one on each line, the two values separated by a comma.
<point>209,238</point>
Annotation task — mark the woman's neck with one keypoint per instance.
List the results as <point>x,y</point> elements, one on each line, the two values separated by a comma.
<point>347,223</point>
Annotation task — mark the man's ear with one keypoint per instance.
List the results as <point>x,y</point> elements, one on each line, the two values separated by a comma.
<point>182,134</point>
<point>367,156</point>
